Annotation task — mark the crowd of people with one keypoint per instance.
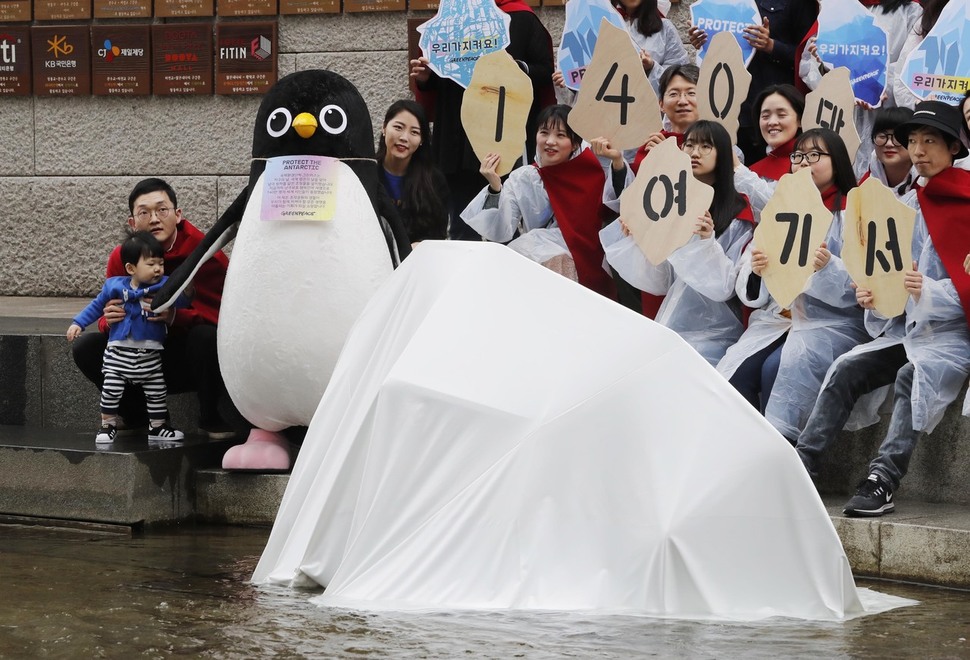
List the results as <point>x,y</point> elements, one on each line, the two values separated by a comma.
<point>811,367</point>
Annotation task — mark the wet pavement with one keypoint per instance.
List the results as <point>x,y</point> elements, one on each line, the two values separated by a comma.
<point>184,592</point>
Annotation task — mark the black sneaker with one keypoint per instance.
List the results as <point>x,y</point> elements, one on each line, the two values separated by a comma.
<point>873,498</point>
<point>164,432</point>
<point>106,434</point>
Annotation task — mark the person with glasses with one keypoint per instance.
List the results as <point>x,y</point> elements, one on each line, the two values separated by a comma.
<point>190,361</point>
<point>133,355</point>
<point>779,362</point>
<point>921,356</point>
<point>890,162</point>
<point>678,105</point>
<point>697,280</point>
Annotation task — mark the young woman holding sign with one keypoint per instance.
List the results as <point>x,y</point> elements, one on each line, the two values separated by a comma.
<point>779,362</point>
<point>555,205</point>
<point>698,279</point>
<point>417,187</point>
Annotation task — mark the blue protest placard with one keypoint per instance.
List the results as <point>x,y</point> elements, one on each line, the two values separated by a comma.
<point>849,37</point>
<point>940,65</point>
<point>460,33</point>
<point>732,16</point>
<point>579,36</point>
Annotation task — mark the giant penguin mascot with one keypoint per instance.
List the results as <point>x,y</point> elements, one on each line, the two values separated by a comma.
<point>294,288</point>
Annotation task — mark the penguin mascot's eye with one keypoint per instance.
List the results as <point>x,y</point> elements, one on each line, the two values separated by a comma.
<point>279,122</point>
<point>333,119</point>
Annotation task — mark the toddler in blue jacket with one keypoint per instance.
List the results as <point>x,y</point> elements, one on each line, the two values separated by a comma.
<point>134,351</point>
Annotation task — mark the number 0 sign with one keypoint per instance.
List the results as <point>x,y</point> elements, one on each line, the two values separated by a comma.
<point>793,224</point>
<point>723,83</point>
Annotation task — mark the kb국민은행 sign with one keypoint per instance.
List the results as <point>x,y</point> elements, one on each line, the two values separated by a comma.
<point>61,60</point>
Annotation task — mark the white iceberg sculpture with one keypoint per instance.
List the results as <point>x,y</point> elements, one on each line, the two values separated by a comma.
<point>495,436</point>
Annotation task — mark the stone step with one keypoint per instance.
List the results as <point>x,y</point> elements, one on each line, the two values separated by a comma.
<point>53,473</point>
<point>39,383</point>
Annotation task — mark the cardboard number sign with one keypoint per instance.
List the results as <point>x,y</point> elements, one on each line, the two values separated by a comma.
<point>616,100</point>
<point>662,206</point>
<point>877,244</point>
<point>723,83</point>
<point>495,108</point>
<point>793,224</point>
<point>831,106</point>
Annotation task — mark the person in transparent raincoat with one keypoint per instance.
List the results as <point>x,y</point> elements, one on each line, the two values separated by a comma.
<point>554,205</point>
<point>924,353</point>
<point>779,362</point>
<point>698,278</point>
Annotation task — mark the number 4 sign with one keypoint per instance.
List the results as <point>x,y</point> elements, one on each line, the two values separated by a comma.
<point>495,109</point>
<point>662,206</point>
<point>793,224</point>
<point>616,100</point>
<point>877,244</point>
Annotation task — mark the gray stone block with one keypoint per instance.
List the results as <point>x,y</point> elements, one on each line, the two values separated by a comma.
<point>339,33</point>
<point>16,126</point>
<point>922,553</point>
<point>860,539</point>
<point>239,498</point>
<point>149,136</point>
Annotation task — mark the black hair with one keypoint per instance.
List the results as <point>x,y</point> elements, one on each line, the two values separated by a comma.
<point>931,13</point>
<point>138,245</point>
<point>146,186</point>
<point>893,5</point>
<point>421,205</point>
<point>556,117</point>
<point>948,138</point>
<point>727,202</point>
<point>688,72</point>
<point>962,107</point>
<point>788,92</point>
<point>828,140</point>
<point>645,17</point>
<point>887,119</point>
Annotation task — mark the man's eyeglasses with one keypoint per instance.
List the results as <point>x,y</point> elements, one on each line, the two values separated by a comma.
<point>161,213</point>
<point>882,139</point>
<point>703,148</point>
<point>812,157</point>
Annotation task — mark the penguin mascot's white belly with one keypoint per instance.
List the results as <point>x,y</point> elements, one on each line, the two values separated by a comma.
<point>292,293</point>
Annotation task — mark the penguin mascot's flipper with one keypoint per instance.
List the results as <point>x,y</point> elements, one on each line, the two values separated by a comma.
<point>294,288</point>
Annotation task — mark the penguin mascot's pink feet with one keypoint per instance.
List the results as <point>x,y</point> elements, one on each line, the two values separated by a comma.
<point>263,451</point>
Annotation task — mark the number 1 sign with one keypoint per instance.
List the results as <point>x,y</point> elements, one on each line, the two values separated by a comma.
<point>793,224</point>
<point>495,108</point>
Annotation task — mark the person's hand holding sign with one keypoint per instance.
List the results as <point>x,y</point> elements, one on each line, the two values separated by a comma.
<point>822,257</point>
<point>864,297</point>
<point>705,226</point>
<point>759,261</point>
<point>419,70</point>
<point>602,148</point>
<point>647,61</point>
<point>488,170</point>
<point>913,281</point>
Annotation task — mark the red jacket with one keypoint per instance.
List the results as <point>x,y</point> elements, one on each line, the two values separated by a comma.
<point>208,281</point>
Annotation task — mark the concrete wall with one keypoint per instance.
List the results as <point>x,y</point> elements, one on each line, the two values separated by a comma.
<point>68,164</point>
